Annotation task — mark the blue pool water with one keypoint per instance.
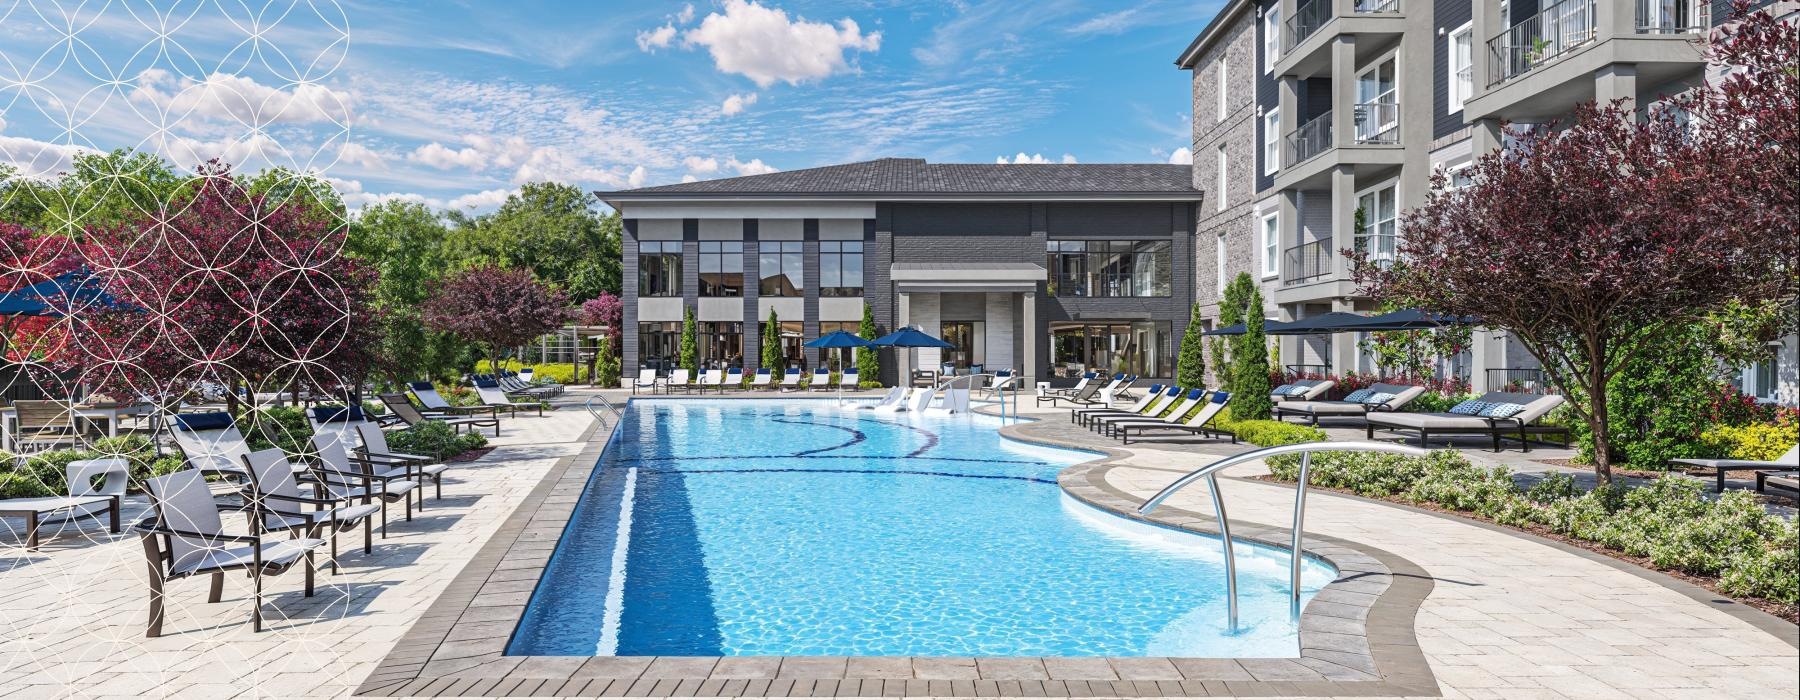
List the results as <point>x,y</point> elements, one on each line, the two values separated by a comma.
<point>799,528</point>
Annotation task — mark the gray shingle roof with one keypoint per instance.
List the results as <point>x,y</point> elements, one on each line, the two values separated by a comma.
<point>913,176</point>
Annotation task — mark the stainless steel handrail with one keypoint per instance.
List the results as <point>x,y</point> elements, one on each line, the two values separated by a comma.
<point>1210,474</point>
<point>971,377</point>
<point>589,405</point>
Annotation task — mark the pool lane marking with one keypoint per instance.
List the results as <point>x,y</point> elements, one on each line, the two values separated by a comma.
<point>909,472</point>
<point>615,585</point>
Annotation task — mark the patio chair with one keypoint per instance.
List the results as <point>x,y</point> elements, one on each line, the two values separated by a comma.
<point>678,380</point>
<point>1159,413</point>
<point>1086,378</point>
<point>790,381</point>
<point>1085,396</point>
<point>1197,423</point>
<point>714,378</point>
<point>44,425</point>
<point>1498,414</point>
<point>512,384</point>
<point>734,378</point>
<point>1302,390</point>
<point>1356,404</point>
<point>893,398</point>
<point>1117,389</point>
<point>1788,461</point>
<point>529,376</point>
<point>1789,480</point>
<point>186,538</point>
<point>403,409</point>
<point>1079,416</point>
<point>374,447</point>
<point>277,504</point>
<point>849,379</point>
<point>1004,380</point>
<point>920,400</point>
<point>761,380</point>
<point>84,499</point>
<point>210,443</point>
<point>821,380</point>
<point>345,477</point>
<point>428,396</point>
<point>646,379</point>
<point>492,395</point>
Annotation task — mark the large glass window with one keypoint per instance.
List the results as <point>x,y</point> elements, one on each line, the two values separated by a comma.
<point>836,359</point>
<point>1110,268</point>
<point>793,344</point>
<point>659,345</point>
<point>1271,244</point>
<point>1377,238</point>
<point>840,268</point>
<point>781,264</point>
<point>721,268</point>
<point>1271,141</point>
<point>659,268</point>
<point>721,344</point>
<point>1142,348</point>
<point>1461,80</point>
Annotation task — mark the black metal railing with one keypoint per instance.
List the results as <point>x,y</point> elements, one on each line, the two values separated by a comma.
<point>1378,122</point>
<point>1311,139</point>
<point>1541,38</point>
<point>1308,18</point>
<point>1524,380</point>
<point>1673,16</point>
<point>1306,262</point>
<point>1308,371</point>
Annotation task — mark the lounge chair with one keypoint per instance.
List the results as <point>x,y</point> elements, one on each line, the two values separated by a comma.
<point>517,385</point>
<point>529,376</point>
<point>1159,413</point>
<point>1079,415</point>
<point>714,378</point>
<point>893,398</point>
<point>1085,396</point>
<point>734,378</point>
<point>1197,423</point>
<point>211,443</point>
<point>428,396</point>
<point>1789,480</point>
<point>790,381</point>
<point>1302,390</point>
<point>899,403</point>
<point>187,538</point>
<point>83,500</point>
<point>1117,390</point>
<point>820,381</point>
<point>761,379</point>
<point>849,379</point>
<point>346,477</point>
<point>403,409</point>
<point>1359,403</point>
<point>646,379</point>
<point>1159,404</point>
<point>1498,414</point>
<point>1004,380</point>
<point>1788,461</point>
<point>1086,379</point>
<point>277,504</point>
<point>492,395</point>
<point>679,380</point>
<point>920,400</point>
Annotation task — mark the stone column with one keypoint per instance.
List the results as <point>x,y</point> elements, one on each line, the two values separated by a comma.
<point>1029,326</point>
<point>1343,345</point>
<point>903,356</point>
<point>1343,219</point>
<point>1343,91</point>
<point>1616,81</point>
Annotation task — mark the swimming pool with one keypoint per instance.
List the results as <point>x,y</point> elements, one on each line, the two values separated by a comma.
<point>803,528</point>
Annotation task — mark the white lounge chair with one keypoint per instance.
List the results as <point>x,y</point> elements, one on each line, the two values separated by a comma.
<point>920,400</point>
<point>493,396</point>
<point>734,378</point>
<point>1356,404</point>
<point>1110,393</point>
<point>1079,416</point>
<point>1004,380</point>
<point>821,379</point>
<point>849,379</point>
<point>714,378</point>
<point>1302,390</point>
<point>678,380</point>
<point>762,379</point>
<point>1109,424</point>
<point>428,396</point>
<point>1197,423</point>
<point>1086,379</point>
<point>529,376</point>
<point>791,380</point>
<point>888,402</point>
<point>1523,411</point>
<point>646,379</point>
<point>1097,421</point>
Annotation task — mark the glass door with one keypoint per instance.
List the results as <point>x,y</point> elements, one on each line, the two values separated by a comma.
<point>961,336</point>
<point>1377,103</point>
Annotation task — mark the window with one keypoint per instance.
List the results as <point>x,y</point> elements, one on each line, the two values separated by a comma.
<point>1462,67</point>
<point>1219,261</point>
<point>721,268</point>
<point>721,344</point>
<point>1764,375</point>
<point>1219,187</point>
<point>793,345</point>
<point>1110,268</point>
<point>1377,237</point>
<point>1271,154</point>
<point>781,263</point>
<point>659,345</point>
<point>836,359</point>
<point>659,268</point>
<point>1219,85</point>
<point>1271,244</point>
<point>840,269</point>
<point>1378,108</point>
<point>1143,348</point>
<point>1458,177</point>
<point>1271,38</point>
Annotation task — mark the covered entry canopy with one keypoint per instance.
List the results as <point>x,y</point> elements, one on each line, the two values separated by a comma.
<point>967,277</point>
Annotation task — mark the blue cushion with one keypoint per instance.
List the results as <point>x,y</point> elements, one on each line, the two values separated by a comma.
<point>217,420</point>
<point>1501,410</point>
<point>487,384</point>
<point>1155,389</point>
<point>1378,398</point>
<point>1220,397</point>
<point>421,386</point>
<point>1282,390</point>
<point>338,414</point>
<point>1472,407</point>
<point>850,370</point>
<point>1299,391</point>
<point>762,370</point>
<point>1196,394</point>
<point>1359,395</point>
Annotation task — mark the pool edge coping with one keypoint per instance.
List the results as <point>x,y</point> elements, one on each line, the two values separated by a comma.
<point>457,646</point>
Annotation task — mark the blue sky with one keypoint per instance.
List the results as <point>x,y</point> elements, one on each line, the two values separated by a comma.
<point>458,103</point>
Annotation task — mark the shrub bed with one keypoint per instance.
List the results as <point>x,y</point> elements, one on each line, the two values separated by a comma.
<point>46,473</point>
<point>558,372</point>
<point>1267,433</point>
<point>434,439</point>
<point>1732,542</point>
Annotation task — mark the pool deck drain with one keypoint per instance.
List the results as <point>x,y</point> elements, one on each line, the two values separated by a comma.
<point>1356,634</point>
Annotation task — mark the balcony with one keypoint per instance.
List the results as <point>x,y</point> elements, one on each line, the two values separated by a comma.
<point>1304,45</point>
<point>1542,38</point>
<point>1540,68</point>
<point>1378,123</point>
<point>1311,139</point>
<point>1306,263</point>
<point>1307,19</point>
<point>1674,16</point>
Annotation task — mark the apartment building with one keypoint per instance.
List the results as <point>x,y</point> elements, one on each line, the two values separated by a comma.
<point>1320,121</point>
<point>1048,270</point>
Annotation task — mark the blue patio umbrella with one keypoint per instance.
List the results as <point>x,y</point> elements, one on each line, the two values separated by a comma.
<point>68,290</point>
<point>839,340</point>
<point>910,337</point>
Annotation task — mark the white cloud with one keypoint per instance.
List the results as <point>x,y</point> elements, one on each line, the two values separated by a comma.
<point>737,103</point>
<point>442,157</point>
<point>686,15</point>
<point>37,159</point>
<point>1109,23</point>
<point>242,99</point>
<point>1068,159</point>
<point>358,154</point>
<point>689,178</point>
<point>754,167</point>
<point>1181,156</point>
<point>481,200</point>
<point>1032,159</point>
<point>637,177</point>
<point>658,38</point>
<point>701,165</point>
<point>185,151</point>
<point>763,44</point>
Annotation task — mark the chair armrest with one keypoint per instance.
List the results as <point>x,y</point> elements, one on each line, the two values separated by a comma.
<point>165,530</point>
<point>299,499</point>
<point>398,456</point>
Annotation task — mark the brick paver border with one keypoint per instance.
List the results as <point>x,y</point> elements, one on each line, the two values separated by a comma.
<point>1356,634</point>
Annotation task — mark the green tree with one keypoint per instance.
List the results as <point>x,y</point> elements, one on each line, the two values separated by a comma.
<point>1250,362</point>
<point>771,345</point>
<point>1232,304</point>
<point>406,242</point>
<point>690,343</point>
<point>556,230</point>
<point>1190,365</point>
<point>100,190</point>
<point>868,360</point>
<point>606,363</point>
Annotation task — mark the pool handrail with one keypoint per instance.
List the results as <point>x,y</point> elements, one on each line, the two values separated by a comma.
<point>1210,474</point>
<point>971,377</point>
<point>589,405</point>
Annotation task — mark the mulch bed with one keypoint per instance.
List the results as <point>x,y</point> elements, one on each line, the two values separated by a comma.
<point>1572,464</point>
<point>1782,610</point>
<point>1749,475</point>
<point>471,455</point>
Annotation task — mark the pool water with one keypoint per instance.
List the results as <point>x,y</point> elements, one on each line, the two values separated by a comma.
<point>802,527</point>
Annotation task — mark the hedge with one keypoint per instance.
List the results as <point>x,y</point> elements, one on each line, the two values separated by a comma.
<point>1267,433</point>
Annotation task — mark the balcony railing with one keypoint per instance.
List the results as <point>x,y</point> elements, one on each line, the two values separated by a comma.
<point>1306,20</point>
<point>1673,16</point>
<point>1311,139</point>
<point>1306,262</point>
<point>1378,122</point>
<point>1371,7</point>
<point>1540,39</point>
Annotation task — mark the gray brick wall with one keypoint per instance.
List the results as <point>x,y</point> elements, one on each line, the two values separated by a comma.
<point>1238,133</point>
<point>752,292</point>
<point>628,246</point>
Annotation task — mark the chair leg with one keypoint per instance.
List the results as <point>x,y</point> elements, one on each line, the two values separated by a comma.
<point>311,565</point>
<point>384,518</point>
<point>1496,440</point>
<point>31,531</point>
<point>334,551</point>
<point>1721,481</point>
<point>112,510</point>
<point>368,535</point>
<point>437,482</point>
<point>409,504</point>
<point>156,601</point>
<point>256,599</point>
<point>218,588</point>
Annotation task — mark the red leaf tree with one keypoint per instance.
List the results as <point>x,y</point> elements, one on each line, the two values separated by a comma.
<point>604,310</point>
<point>496,308</point>
<point>1592,242</point>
